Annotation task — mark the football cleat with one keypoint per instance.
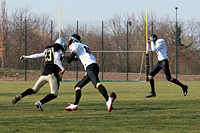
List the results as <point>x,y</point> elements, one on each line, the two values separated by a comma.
<point>16,99</point>
<point>109,103</point>
<point>151,95</point>
<point>185,88</point>
<point>71,107</point>
<point>38,104</point>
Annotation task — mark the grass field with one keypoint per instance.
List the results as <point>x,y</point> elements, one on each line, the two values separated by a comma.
<point>170,111</point>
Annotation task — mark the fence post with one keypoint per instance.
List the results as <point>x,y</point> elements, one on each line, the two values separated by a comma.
<point>102,50</point>
<point>152,51</point>
<point>25,46</point>
<point>127,52</point>
<point>51,32</point>
<point>176,50</point>
<point>77,61</point>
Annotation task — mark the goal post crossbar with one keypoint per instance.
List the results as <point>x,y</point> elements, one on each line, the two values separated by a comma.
<point>120,51</point>
<point>139,78</point>
<point>117,51</point>
<point>142,61</point>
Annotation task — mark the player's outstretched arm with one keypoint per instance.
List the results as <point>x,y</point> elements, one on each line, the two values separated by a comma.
<point>70,58</point>
<point>38,55</point>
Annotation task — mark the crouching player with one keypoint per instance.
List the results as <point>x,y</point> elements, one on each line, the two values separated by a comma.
<point>51,72</point>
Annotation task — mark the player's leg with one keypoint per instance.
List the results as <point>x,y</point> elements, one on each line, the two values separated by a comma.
<point>78,88</point>
<point>165,67</point>
<point>155,70</point>
<point>93,71</point>
<point>102,90</point>
<point>40,82</point>
<point>54,86</point>
<point>184,87</point>
<point>109,100</point>
<point>19,97</point>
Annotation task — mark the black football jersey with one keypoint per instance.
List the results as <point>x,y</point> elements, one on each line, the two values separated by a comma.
<point>50,66</point>
<point>49,55</point>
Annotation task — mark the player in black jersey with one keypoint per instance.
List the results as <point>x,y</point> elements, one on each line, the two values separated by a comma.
<point>52,70</point>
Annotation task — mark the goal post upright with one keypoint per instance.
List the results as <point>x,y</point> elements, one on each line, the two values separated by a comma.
<point>147,53</point>
<point>60,23</point>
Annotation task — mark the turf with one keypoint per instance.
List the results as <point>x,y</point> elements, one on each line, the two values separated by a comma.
<point>169,111</point>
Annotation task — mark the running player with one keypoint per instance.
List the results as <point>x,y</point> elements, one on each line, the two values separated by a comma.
<point>158,45</point>
<point>82,52</point>
<point>51,72</point>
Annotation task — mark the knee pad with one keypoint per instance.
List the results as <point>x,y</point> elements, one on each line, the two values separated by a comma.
<point>97,85</point>
<point>77,88</point>
<point>150,77</point>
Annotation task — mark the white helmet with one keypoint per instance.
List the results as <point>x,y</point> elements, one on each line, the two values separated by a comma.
<point>62,42</point>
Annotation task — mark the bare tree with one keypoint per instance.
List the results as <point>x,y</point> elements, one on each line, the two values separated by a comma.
<point>3,33</point>
<point>38,36</point>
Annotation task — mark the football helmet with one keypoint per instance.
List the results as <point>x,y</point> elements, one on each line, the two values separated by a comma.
<point>152,37</point>
<point>62,42</point>
<point>74,38</point>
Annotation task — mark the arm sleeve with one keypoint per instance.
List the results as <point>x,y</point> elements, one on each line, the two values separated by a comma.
<point>57,58</point>
<point>70,58</point>
<point>153,47</point>
<point>36,55</point>
<point>148,47</point>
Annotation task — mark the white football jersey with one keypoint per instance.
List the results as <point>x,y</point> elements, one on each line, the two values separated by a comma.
<point>160,48</point>
<point>83,52</point>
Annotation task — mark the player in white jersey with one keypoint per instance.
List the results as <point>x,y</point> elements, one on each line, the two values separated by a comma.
<point>83,53</point>
<point>51,72</point>
<point>159,45</point>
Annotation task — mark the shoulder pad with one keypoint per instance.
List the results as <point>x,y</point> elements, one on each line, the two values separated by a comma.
<point>47,47</point>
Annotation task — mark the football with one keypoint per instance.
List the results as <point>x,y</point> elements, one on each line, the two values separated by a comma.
<point>113,95</point>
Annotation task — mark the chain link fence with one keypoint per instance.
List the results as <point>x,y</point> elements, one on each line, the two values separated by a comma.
<point>29,37</point>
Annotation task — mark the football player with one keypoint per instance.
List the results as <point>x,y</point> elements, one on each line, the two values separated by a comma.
<point>158,45</point>
<point>83,53</point>
<point>53,69</point>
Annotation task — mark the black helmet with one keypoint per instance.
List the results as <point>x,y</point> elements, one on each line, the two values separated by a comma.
<point>74,38</point>
<point>152,37</point>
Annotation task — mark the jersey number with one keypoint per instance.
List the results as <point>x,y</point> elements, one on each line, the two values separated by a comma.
<point>87,49</point>
<point>48,55</point>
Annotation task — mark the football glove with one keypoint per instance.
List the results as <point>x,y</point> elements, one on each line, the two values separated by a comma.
<point>76,59</point>
<point>23,57</point>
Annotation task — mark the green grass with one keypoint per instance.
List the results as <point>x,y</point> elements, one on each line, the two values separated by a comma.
<point>170,111</point>
<point>6,72</point>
